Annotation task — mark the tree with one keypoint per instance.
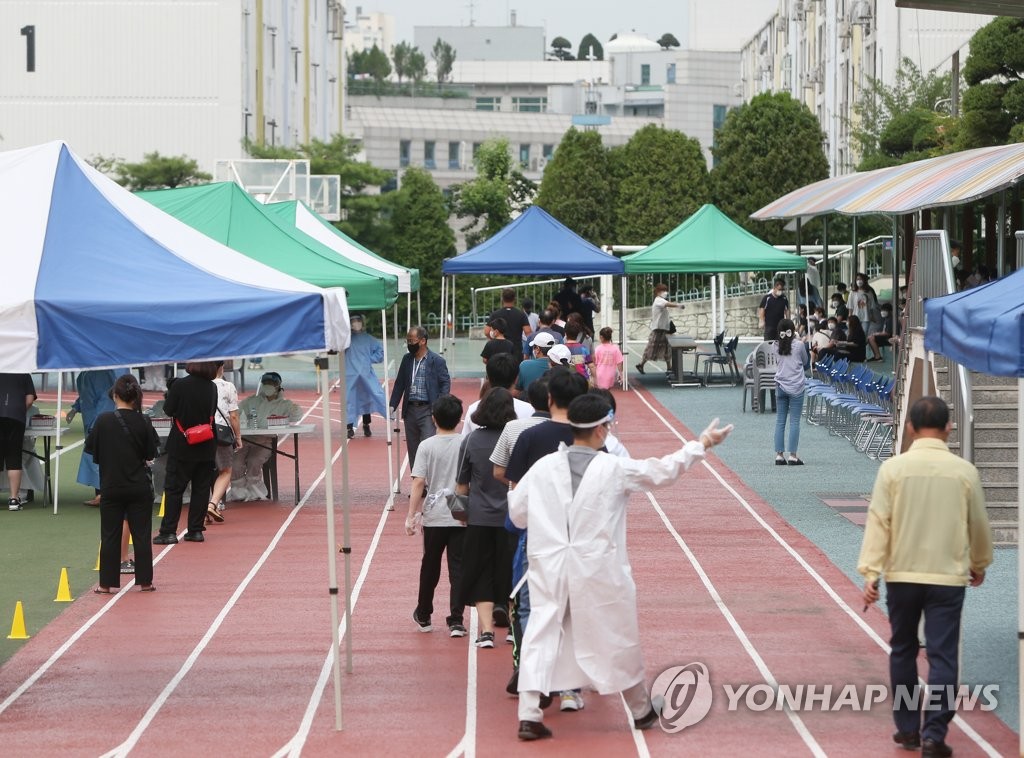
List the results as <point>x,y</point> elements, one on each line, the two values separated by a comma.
<point>420,235</point>
<point>766,148</point>
<point>663,180</point>
<point>577,184</point>
<point>993,104</point>
<point>668,40</point>
<point>885,114</point>
<point>498,191</point>
<point>560,48</point>
<point>444,59</point>
<point>589,46</point>
<point>155,171</point>
<point>400,58</point>
<point>372,62</point>
<point>416,67</point>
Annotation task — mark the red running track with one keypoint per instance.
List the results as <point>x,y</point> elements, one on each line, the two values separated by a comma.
<point>229,656</point>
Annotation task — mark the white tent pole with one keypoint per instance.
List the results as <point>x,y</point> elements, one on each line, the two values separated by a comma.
<point>346,547</point>
<point>1020,557</point>
<point>322,365</point>
<point>721,297</point>
<point>408,312</point>
<point>714,304</point>
<point>419,309</point>
<point>55,484</point>
<point>623,292</point>
<point>387,420</point>
<point>444,302</point>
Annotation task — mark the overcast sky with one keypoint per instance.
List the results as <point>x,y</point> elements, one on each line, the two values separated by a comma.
<point>718,24</point>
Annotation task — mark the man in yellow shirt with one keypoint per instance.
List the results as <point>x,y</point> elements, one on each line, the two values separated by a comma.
<point>927,531</point>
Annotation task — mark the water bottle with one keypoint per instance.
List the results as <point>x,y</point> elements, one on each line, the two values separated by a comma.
<point>254,421</point>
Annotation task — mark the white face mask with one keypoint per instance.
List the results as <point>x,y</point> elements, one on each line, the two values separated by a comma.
<point>269,391</point>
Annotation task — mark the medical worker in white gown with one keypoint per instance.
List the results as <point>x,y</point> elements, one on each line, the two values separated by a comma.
<point>583,629</point>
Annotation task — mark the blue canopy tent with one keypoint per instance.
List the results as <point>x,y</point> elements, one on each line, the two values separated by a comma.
<point>98,278</point>
<point>534,244</point>
<point>983,329</point>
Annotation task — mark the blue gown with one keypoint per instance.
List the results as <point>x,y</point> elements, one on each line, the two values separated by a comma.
<point>365,393</point>
<point>93,399</point>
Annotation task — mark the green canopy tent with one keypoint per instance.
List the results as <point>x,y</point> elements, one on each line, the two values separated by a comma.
<point>709,242</point>
<point>228,214</point>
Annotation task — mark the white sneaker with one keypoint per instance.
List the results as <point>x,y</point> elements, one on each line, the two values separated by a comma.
<point>571,701</point>
<point>14,504</point>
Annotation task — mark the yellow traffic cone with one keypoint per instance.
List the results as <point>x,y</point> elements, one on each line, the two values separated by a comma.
<point>98,550</point>
<point>163,499</point>
<point>18,624</point>
<point>63,588</point>
<point>130,543</point>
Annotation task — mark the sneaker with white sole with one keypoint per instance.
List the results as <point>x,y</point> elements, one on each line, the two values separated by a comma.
<point>14,504</point>
<point>128,567</point>
<point>422,624</point>
<point>571,701</point>
<point>456,630</point>
<point>486,639</point>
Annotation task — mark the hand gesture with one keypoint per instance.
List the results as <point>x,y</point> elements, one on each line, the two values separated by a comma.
<point>714,435</point>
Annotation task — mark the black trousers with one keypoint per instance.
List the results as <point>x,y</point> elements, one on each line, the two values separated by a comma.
<point>942,608</point>
<point>114,511</point>
<point>419,425</point>
<point>438,540</point>
<point>179,475</point>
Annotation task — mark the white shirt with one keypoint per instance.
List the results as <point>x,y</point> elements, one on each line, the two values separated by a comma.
<point>523,410</point>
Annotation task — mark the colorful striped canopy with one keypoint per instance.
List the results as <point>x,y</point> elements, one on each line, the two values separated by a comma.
<point>931,183</point>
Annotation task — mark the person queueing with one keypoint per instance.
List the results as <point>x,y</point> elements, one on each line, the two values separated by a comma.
<point>433,478</point>
<point>422,378</point>
<point>123,442</point>
<point>927,533</point>
<point>191,401</point>
<point>607,361</point>
<point>364,392</point>
<point>583,629</point>
<point>247,466</point>
<point>790,386</point>
<point>17,393</point>
<point>93,399</point>
<point>227,415</point>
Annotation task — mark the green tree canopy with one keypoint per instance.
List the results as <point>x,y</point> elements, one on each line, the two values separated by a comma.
<point>155,171</point>
<point>993,104</point>
<point>668,40</point>
<point>372,62</point>
<point>444,59</point>
<point>888,117</point>
<point>590,46</point>
<point>400,58</point>
<point>560,48</point>
<point>577,184</point>
<point>498,191</point>
<point>416,65</point>
<point>663,179</point>
<point>420,235</point>
<point>766,148</point>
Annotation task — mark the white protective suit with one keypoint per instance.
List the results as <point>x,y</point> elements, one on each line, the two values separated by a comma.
<point>578,561</point>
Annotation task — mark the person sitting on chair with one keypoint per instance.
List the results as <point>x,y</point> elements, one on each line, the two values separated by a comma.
<point>247,469</point>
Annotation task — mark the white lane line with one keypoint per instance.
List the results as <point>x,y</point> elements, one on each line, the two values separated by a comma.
<point>766,673</point>
<point>843,605</point>
<point>294,746</point>
<point>638,736</point>
<point>467,745</point>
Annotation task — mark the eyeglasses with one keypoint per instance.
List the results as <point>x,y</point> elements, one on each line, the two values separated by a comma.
<point>787,333</point>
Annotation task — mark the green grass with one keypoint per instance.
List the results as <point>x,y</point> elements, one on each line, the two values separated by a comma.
<point>35,545</point>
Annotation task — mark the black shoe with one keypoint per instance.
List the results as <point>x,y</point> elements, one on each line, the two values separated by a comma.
<point>423,624</point>
<point>485,640</point>
<point>366,431</point>
<point>30,495</point>
<point>165,539</point>
<point>500,616</point>
<point>545,700</point>
<point>646,722</point>
<point>351,432</point>
<point>533,730</point>
<point>907,740</point>
<point>512,687</point>
<point>935,749</point>
<point>195,537</point>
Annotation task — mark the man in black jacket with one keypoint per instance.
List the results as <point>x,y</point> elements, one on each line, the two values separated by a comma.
<point>422,378</point>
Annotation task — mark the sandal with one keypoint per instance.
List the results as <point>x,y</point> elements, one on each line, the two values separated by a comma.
<point>103,591</point>
<point>212,513</point>
<point>148,588</point>
<point>640,368</point>
<point>780,460</point>
<point>794,461</point>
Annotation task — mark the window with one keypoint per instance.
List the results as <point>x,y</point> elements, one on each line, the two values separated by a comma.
<point>454,155</point>
<point>428,155</point>
<point>524,156</point>
<point>717,120</point>
<point>547,151</point>
<point>670,74</point>
<point>645,73</point>
<point>404,152</point>
<point>530,104</point>
<point>488,103</point>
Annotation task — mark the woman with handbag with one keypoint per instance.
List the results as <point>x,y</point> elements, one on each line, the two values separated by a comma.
<point>191,451</point>
<point>657,344</point>
<point>229,439</point>
<point>123,442</point>
<point>487,547</point>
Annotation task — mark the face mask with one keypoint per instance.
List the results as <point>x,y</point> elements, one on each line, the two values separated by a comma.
<point>413,347</point>
<point>269,391</point>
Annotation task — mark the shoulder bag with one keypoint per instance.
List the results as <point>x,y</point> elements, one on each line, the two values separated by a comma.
<point>459,504</point>
<point>224,432</point>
